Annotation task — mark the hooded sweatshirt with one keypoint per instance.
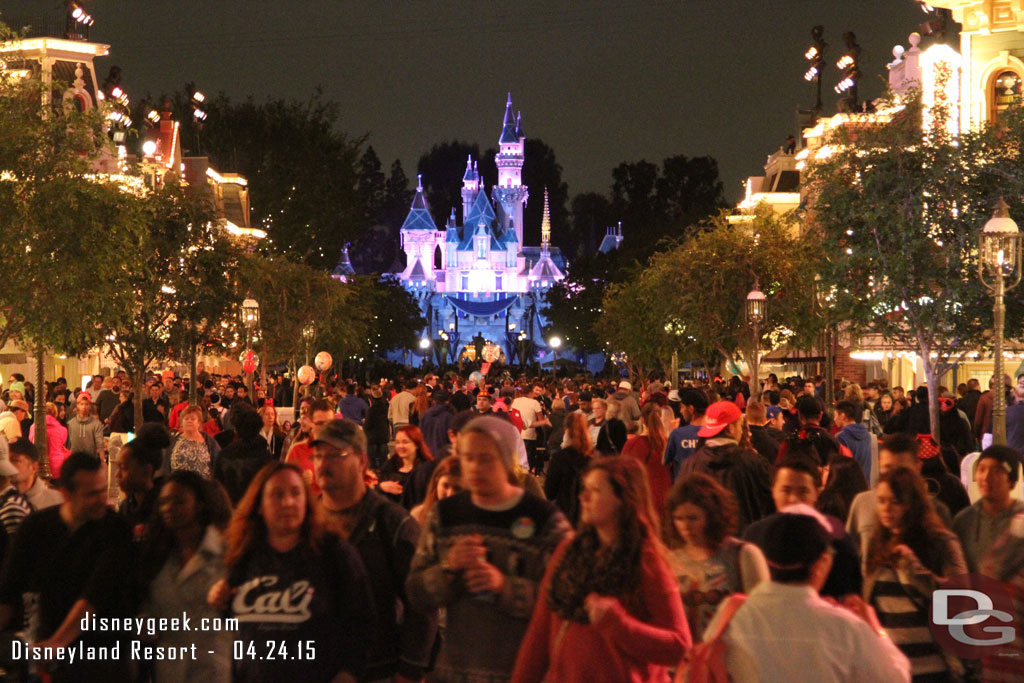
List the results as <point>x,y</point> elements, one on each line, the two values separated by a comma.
<point>86,435</point>
<point>856,438</point>
<point>742,471</point>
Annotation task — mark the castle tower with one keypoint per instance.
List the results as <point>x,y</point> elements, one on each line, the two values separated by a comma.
<point>510,192</point>
<point>471,184</point>
<point>420,238</point>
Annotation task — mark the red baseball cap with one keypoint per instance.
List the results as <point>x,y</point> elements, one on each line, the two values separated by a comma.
<point>719,415</point>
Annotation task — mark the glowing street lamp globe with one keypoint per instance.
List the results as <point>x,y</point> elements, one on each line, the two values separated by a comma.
<point>555,342</point>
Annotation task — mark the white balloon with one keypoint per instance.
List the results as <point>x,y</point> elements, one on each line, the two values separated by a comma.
<point>306,375</point>
<point>323,361</point>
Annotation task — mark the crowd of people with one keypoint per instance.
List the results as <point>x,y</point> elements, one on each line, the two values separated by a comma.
<point>495,529</point>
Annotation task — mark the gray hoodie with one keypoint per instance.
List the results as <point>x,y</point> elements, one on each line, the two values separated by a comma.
<point>86,435</point>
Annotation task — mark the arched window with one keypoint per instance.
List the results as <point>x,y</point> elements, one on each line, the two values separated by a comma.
<point>437,257</point>
<point>1003,92</point>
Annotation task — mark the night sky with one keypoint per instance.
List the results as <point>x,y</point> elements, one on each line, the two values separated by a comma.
<point>600,81</point>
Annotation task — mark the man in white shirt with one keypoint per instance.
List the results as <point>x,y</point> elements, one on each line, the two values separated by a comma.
<point>530,411</point>
<point>786,632</point>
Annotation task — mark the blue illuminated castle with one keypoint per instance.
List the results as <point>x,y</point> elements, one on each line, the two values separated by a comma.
<point>477,283</point>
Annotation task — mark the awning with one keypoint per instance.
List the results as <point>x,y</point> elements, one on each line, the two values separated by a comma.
<point>483,308</point>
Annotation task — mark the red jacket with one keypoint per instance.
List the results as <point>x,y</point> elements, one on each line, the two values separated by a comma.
<point>658,476</point>
<point>624,646</point>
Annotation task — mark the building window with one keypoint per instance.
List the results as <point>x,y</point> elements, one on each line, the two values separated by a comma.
<point>1004,92</point>
<point>497,283</point>
<point>465,282</point>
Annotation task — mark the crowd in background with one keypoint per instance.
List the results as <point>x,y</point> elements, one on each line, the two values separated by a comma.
<point>497,528</point>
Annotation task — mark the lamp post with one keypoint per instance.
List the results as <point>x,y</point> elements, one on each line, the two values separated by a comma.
<point>999,252</point>
<point>555,343</point>
<point>522,350</point>
<point>757,312</point>
<point>425,347</point>
<point>251,321</point>
<point>823,298</point>
<point>442,349</point>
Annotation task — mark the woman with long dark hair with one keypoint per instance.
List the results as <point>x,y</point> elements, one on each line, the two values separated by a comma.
<point>292,582</point>
<point>845,481</point>
<point>909,556</point>
<point>405,475</point>
<point>182,559</point>
<point>709,562</point>
<point>608,608</point>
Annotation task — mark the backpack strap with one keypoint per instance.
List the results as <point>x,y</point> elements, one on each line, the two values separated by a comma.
<point>732,604</point>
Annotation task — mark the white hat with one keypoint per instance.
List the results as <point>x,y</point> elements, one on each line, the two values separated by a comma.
<point>625,385</point>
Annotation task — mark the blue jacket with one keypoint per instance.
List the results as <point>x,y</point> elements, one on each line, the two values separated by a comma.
<point>857,438</point>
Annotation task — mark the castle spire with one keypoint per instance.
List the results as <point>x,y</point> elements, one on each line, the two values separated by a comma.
<point>508,126</point>
<point>545,225</point>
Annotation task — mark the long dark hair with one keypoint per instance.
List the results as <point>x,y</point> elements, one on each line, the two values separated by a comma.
<point>247,527</point>
<point>586,567</point>
<point>920,523</point>
<point>845,481</point>
<point>213,509</point>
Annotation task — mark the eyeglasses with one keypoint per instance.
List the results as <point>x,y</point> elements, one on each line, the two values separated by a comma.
<point>333,454</point>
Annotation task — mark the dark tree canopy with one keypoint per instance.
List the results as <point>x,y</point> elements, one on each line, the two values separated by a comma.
<point>304,175</point>
<point>442,169</point>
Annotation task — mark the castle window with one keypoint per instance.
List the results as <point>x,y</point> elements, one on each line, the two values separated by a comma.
<point>1004,92</point>
<point>497,283</point>
<point>465,281</point>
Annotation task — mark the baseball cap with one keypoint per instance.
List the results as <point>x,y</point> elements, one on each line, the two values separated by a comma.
<point>341,434</point>
<point>772,411</point>
<point>625,385</point>
<point>673,396</point>
<point>719,415</point>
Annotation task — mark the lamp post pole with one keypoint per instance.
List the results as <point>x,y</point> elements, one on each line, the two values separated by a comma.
<point>555,343</point>
<point>251,321</point>
<point>756,309</point>
<point>999,270</point>
<point>824,301</point>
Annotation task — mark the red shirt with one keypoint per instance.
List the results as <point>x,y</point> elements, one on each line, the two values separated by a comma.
<point>301,454</point>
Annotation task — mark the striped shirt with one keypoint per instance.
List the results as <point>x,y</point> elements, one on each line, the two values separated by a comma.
<point>14,507</point>
<point>901,594</point>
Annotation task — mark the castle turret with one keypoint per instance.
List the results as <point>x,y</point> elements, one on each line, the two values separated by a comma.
<point>471,185</point>
<point>510,192</point>
<point>419,238</point>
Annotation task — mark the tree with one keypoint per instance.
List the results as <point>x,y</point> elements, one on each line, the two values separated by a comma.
<point>575,305</point>
<point>899,211</point>
<point>591,214</point>
<point>691,295</point>
<point>387,200</point>
<point>59,229</point>
<point>200,316</point>
<point>178,265</point>
<point>442,169</point>
<point>656,202</point>
<point>302,171</point>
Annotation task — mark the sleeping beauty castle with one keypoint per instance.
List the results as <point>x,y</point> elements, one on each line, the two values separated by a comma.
<point>480,288</point>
